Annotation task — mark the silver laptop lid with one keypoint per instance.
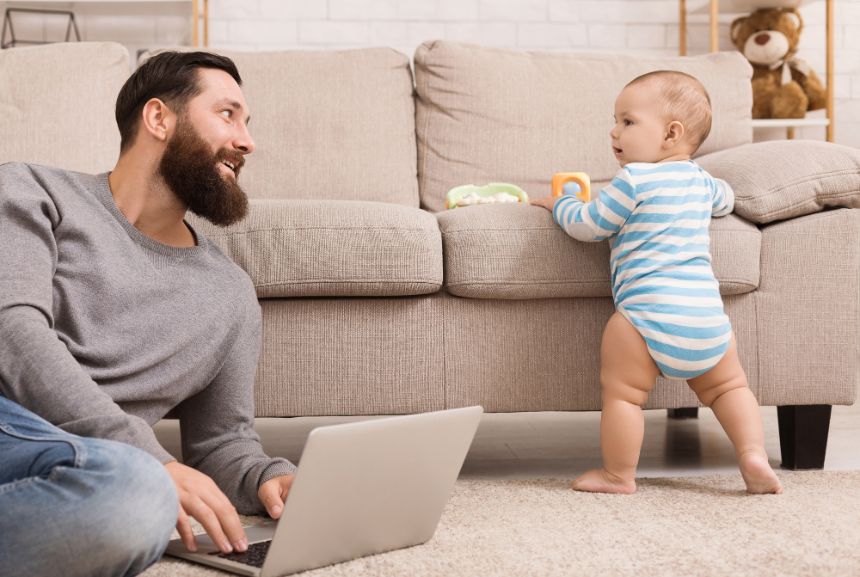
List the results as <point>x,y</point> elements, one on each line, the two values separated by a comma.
<point>371,486</point>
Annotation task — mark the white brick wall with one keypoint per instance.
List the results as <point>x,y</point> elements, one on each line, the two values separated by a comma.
<point>648,27</point>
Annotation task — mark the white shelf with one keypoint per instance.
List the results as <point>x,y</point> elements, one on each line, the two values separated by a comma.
<point>740,6</point>
<point>788,122</point>
<point>23,3</point>
<point>198,15</point>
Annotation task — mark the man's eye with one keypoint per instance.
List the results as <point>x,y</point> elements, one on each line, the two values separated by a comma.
<point>227,113</point>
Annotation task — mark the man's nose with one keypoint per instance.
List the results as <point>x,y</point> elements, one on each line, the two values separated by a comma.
<point>244,142</point>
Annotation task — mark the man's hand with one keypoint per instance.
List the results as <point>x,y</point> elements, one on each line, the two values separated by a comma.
<point>548,202</point>
<point>201,498</point>
<point>273,493</point>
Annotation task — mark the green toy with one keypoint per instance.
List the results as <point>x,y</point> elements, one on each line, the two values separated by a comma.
<point>492,193</point>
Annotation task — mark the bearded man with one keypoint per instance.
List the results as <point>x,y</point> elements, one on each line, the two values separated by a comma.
<point>115,312</point>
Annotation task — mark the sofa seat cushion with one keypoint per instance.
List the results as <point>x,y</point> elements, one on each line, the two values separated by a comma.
<point>518,252</point>
<point>494,115</point>
<point>333,248</point>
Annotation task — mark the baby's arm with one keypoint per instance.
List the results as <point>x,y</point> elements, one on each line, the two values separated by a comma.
<point>603,216</point>
<point>724,197</point>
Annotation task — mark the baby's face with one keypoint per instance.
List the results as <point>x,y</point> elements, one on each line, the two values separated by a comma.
<point>640,128</point>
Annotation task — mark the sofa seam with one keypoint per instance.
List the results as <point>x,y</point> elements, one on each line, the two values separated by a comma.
<point>500,229</point>
<point>756,297</point>
<point>447,232</point>
<point>525,283</point>
<point>601,281</point>
<point>428,113</point>
<point>445,402</point>
<point>814,202</point>
<point>282,228</point>
<point>333,281</point>
<point>792,220</point>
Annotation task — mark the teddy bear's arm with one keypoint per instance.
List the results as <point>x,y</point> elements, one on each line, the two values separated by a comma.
<point>813,88</point>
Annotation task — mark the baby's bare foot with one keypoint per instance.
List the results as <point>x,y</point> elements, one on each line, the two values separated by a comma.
<point>758,475</point>
<point>602,481</point>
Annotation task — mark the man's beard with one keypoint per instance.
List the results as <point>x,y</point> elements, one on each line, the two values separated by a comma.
<point>190,169</point>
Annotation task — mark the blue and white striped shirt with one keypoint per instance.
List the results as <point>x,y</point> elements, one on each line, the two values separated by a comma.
<point>656,217</point>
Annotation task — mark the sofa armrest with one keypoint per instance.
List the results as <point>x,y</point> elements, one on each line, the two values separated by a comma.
<point>779,180</point>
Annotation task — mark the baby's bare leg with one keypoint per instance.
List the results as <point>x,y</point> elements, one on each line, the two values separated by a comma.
<point>627,375</point>
<point>724,388</point>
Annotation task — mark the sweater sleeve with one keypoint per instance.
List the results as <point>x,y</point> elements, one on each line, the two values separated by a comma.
<point>603,216</point>
<point>37,370</point>
<point>724,197</point>
<point>217,424</point>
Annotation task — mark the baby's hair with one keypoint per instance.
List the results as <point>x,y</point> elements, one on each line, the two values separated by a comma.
<point>685,100</point>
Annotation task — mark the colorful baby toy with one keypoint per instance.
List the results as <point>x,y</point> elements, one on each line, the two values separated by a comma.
<point>577,183</point>
<point>493,193</point>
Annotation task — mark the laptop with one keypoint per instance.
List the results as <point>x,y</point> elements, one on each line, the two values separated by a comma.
<point>360,488</point>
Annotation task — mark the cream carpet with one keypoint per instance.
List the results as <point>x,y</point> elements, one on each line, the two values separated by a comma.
<point>685,527</point>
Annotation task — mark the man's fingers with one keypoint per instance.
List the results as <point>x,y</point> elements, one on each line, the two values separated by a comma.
<point>183,525</point>
<point>273,494</point>
<point>270,496</point>
<point>206,517</point>
<point>201,498</point>
<point>227,518</point>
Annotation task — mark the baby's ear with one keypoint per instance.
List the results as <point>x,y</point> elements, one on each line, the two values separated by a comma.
<point>674,134</point>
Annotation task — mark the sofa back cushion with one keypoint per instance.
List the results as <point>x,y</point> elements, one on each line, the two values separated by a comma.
<point>494,115</point>
<point>335,125</point>
<point>57,104</point>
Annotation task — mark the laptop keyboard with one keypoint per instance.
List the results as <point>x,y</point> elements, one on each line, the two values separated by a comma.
<point>254,556</point>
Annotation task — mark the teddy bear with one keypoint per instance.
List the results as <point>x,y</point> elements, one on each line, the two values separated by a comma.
<point>783,86</point>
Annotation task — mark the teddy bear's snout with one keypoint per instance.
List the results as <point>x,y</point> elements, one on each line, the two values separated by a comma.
<point>766,47</point>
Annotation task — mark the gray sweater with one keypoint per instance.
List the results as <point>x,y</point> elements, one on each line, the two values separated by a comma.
<point>104,330</point>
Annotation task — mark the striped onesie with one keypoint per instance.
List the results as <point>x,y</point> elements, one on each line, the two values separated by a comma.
<point>656,217</point>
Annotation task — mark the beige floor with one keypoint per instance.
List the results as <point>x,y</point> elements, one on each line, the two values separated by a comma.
<point>533,445</point>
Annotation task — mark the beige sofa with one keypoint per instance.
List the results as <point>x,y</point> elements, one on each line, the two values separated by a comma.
<point>377,301</point>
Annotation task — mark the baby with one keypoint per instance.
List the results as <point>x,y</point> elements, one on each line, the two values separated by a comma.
<point>669,316</point>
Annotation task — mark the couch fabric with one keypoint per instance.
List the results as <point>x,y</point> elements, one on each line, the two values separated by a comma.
<point>375,304</point>
<point>330,125</point>
<point>530,257</point>
<point>57,104</point>
<point>330,248</point>
<point>487,114</point>
<point>779,180</point>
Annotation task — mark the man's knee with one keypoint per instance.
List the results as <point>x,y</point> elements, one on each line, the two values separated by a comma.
<point>114,506</point>
<point>138,508</point>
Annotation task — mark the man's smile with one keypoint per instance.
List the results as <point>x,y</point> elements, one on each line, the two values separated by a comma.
<point>234,166</point>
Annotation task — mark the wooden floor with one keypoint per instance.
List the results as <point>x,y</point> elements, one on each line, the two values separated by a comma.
<point>531,445</point>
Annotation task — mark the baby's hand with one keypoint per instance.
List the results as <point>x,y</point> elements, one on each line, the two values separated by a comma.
<point>548,202</point>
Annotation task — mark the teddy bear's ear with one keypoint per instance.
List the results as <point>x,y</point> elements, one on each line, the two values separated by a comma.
<point>794,16</point>
<point>736,27</point>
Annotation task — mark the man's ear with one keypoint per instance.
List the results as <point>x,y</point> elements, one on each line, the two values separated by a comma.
<point>157,119</point>
<point>674,134</point>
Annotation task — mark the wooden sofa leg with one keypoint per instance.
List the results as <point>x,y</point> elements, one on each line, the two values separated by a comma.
<point>803,435</point>
<point>684,413</point>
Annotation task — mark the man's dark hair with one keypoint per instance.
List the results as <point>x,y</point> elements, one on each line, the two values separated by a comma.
<point>169,76</point>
